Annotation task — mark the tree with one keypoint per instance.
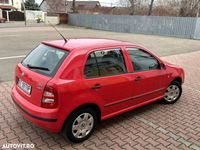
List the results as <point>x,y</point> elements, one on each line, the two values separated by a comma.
<point>132,7</point>
<point>151,7</point>
<point>31,5</point>
<point>135,6</point>
<point>189,8</point>
<point>74,5</point>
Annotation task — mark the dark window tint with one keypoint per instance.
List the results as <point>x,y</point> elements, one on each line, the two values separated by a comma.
<point>91,69</point>
<point>142,60</point>
<point>105,63</point>
<point>45,59</point>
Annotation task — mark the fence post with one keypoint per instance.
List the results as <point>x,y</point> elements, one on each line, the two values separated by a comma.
<point>1,15</point>
<point>24,12</point>
<point>7,14</point>
<point>196,35</point>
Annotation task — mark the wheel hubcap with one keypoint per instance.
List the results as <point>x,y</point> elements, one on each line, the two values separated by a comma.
<point>82,125</point>
<point>172,93</point>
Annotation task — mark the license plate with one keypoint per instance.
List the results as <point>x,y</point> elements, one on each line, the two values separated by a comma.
<point>24,86</point>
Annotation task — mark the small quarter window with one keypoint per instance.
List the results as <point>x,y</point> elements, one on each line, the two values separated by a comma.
<point>91,69</point>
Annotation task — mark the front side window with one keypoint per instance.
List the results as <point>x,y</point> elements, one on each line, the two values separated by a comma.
<point>141,60</point>
<point>105,63</point>
<point>45,59</point>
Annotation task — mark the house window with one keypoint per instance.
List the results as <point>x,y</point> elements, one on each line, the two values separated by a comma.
<point>4,1</point>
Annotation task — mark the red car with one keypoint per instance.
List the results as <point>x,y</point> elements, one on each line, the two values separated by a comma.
<point>70,87</point>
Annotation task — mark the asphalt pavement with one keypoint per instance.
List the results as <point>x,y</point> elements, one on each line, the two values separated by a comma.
<point>16,42</point>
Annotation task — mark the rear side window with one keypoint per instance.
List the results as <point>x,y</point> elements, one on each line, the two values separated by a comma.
<point>45,60</point>
<point>142,61</point>
<point>91,69</point>
<point>105,63</point>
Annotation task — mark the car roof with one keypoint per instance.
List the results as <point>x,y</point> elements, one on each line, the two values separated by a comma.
<point>85,43</point>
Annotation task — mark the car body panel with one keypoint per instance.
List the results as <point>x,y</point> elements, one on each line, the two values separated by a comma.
<point>35,80</point>
<point>118,93</point>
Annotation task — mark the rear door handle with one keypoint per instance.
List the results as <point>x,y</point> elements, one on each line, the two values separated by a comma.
<point>96,86</point>
<point>138,78</point>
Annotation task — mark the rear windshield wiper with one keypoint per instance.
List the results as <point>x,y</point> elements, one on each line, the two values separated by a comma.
<point>37,67</point>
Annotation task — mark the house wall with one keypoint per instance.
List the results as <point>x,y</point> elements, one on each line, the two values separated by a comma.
<point>183,27</point>
<point>10,3</point>
<point>16,4</point>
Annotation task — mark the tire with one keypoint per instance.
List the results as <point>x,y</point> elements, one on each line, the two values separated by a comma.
<point>80,125</point>
<point>173,93</point>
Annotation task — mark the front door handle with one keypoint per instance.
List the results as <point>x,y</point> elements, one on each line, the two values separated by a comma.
<point>96,86</point>
<point>138,78</point>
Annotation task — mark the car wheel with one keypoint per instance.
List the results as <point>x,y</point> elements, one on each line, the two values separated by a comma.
<point>80,125</point>
<point>173,93</point>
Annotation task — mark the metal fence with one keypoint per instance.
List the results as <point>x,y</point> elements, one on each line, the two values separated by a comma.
<point>184,27</point>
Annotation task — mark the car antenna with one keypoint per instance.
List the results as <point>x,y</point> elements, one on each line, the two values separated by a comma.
<point>58,32</point>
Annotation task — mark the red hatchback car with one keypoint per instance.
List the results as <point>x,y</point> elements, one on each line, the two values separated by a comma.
<point>70,87</point>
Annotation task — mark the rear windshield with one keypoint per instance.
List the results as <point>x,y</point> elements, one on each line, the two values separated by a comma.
<point>45,59</point>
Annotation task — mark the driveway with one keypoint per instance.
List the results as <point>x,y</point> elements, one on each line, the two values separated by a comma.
<point>16,42</point>
<point>13,24</point>
<point>155,126</point>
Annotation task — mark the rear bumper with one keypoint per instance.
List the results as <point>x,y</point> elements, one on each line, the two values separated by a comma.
<point>45,118</point>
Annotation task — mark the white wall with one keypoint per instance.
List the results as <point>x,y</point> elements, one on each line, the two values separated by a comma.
<point>1,13</point>
<point>32,16</point>
<point>16,4</point>
<point>52,19</point>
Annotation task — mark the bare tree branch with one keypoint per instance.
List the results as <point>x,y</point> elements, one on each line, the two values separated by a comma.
<point>151,7</point>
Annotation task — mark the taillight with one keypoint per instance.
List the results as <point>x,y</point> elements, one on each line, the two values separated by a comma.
<point>49,99</point>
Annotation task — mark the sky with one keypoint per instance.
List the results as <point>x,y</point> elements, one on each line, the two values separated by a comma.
<point>103,2</point>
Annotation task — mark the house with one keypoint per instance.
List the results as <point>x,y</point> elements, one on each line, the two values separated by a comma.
<point>10,5</point>
<point>57,10</point>
<point>83,5</point>
<point>64,6</point>
<point>53,7</point>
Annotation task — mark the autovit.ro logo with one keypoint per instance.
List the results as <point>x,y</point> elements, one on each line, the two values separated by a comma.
<point>17,146</point>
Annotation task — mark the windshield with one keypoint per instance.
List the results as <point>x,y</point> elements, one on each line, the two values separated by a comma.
<point>45,59</point>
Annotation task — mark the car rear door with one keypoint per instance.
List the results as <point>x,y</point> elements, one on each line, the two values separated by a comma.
<point>107,78</point>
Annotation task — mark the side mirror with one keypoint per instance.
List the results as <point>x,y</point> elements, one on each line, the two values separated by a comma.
<point>162,66</point>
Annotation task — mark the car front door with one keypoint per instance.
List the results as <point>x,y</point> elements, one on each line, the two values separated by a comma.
<point>148,75</point>
<point>108,79</point>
